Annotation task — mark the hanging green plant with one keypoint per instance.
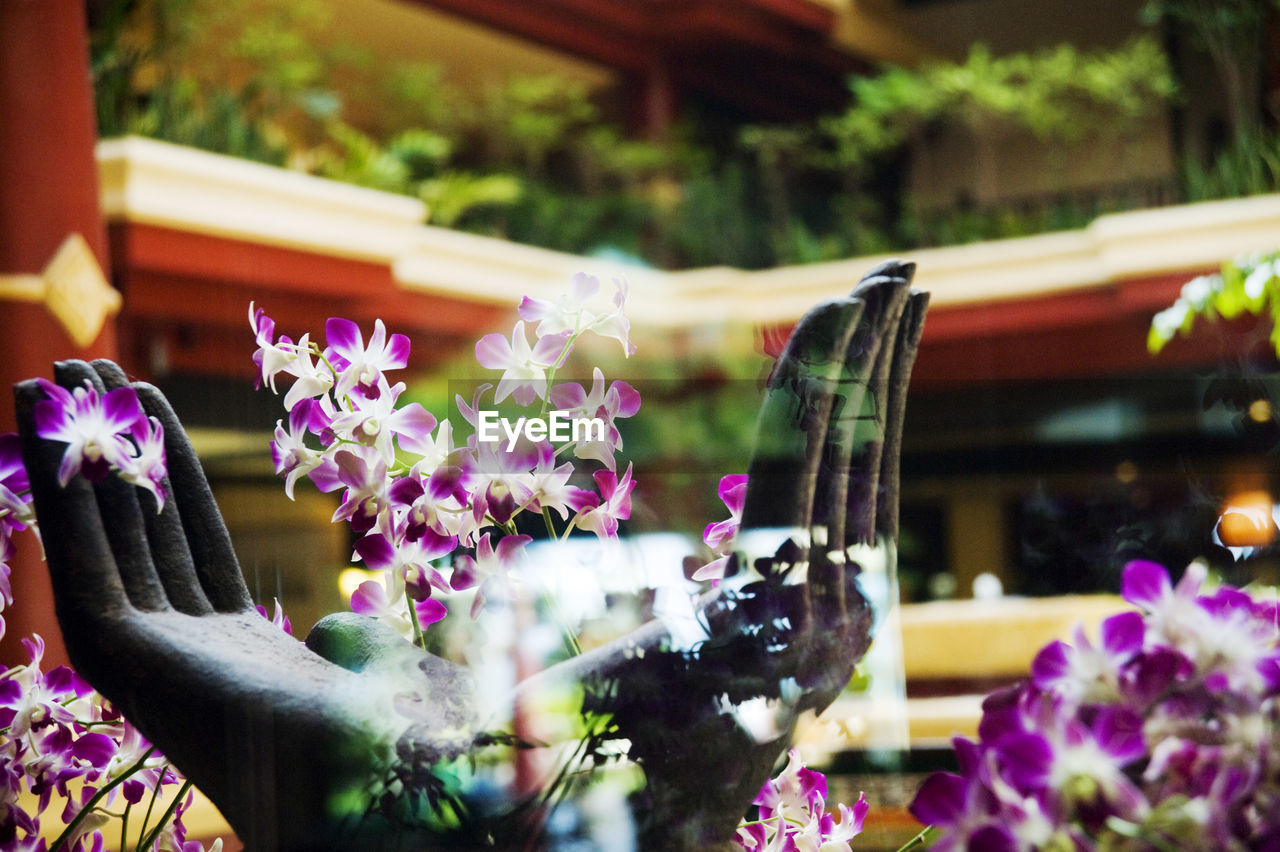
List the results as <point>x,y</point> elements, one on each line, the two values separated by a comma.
<point>1249,284</point>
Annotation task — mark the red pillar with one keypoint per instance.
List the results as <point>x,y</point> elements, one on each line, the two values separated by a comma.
<point>655,101</point>
<point>48,191</point>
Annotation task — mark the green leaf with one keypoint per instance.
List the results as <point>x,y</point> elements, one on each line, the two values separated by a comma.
<point>452,195</point>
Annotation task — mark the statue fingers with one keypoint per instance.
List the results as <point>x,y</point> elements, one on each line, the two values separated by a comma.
<point>123,519</point>
<point>203,543</point>
<point>87,585</point>
<point>147,544</point>
<point>863,430</point>
<point>843,512</point>
<point>904,356</point>
<point>791,433</point>
<point>872,499</point>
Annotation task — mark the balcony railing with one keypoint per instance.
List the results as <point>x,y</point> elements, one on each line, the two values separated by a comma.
<point>1020,216</point>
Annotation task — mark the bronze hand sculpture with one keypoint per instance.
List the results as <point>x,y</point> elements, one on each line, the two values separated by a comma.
<point>342,742</point>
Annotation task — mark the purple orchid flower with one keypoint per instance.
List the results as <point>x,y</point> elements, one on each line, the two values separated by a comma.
<point>568,313</point>
<point>546,485</point>
<point>719,536</point>
<point>387,549</point>
<point>15,501</point>
<point>148,468</point>
<point>1083,673</point>
<point>360,365</point>
<point>278,618</point>
<point>793,814</point>
<point>312,379</point>
<point>375,420</point>
<point>292,457</point>
<point>431,501</point>
<point>385,601</point>
<point>272,356</point>
<point>497,479</point>
<point>1162,731</point>
<point>618,400</point>
<point>364,473</point>
<point>524,376</point>
<point>487,569</point>
<point>600,514</point>
<point>733,491</point>
<point>92,427</point>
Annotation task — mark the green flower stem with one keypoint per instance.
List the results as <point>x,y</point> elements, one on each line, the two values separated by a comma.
<point>418,638</point>
<point>522,507</point>
<point>555,365</point>
<point>509,528</point>
<point>146,817</point>
<point>165,817</point>
<point>917,841</point>
<point>69,831</point>
<point>124,825</point>
<point>315,350</point>
<point>773,821</point>
<point>559,785</point>
<point>1142,833</point>
<point>570,640</point>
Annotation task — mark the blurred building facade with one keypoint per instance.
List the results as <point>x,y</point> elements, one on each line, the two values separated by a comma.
<point>1040,428</point>
<point>1045,446</point>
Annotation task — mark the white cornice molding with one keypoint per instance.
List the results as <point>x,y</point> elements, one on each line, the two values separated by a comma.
<point>500,272</point>
<point>1183,239</point>
<point>161,184</point>
<point>157,183</point>
<point>1188,236</point>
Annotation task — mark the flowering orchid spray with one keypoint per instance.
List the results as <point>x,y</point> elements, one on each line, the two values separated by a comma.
<point>793,815</point>
<point>415,492</point>
<point>415,495</point>
<point>60,739</point>
<point>1160,735</point>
